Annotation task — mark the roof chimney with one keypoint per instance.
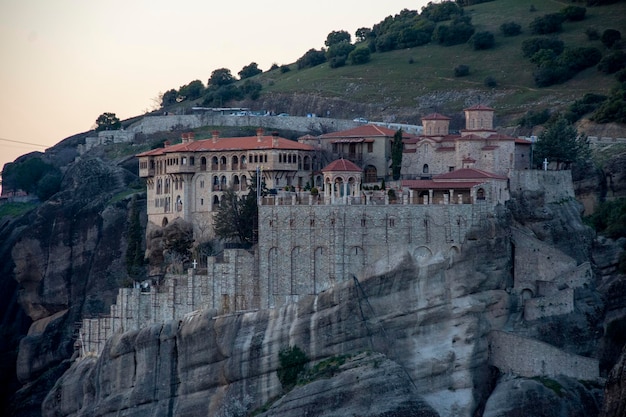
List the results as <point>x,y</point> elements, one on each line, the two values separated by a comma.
<point>216,135</point>
<point>166,143</point>
<point>259,134</point>
<point>274,139</point>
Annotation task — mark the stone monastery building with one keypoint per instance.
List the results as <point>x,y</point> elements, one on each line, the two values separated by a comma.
<point>188,180</point>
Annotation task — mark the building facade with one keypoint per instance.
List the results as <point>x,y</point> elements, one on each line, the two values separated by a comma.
<point>188,180</point>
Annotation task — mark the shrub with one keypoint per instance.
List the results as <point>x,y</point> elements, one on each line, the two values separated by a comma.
<point>592,34</point>
<point>482,40</point>
<point>292,362</point>
<point>459,31</point>
<point>531,46</point>
<point>612,109</point>
<point>338,61</point>
<point>549,23</point>
<point>461,70</point>
<point>587,104</point>
<point>610,37</point>
<point>311,59</point>
<point>574,13</point>
<point>490,82</point>
<point>360,55</point>
<point>534,118</point>
<point>612,62</point>
<point>510,29</point>
<point>284,69</point>
<point>578,59</point>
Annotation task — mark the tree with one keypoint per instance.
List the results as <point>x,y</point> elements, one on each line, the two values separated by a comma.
<point>311,59</point>
<point>359,56</point>
<point>549,23</point>
<point>250,71</point>
<point>236,216</point>
<point>610,37</point>
<point>482,40</point>
<point>169,98</point>
<point>192,91</point>
<point>561,143</point>
<point>510,29</point>
<point>574,13</point>
<point>362,34</point>
<point>337,36</point>
<point>221,77</point>
<point>396,155</point>
<point>108,121</point>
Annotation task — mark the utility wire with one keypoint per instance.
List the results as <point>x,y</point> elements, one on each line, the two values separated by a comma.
<point>25,143</point>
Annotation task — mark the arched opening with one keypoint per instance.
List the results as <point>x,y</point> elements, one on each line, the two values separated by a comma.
<point>216,183</point>
<point>243,162</point>
<point>223,183</point>
<point>214,165</point>
<point>203,164</point>
<point>235,163</point>
<point>223,163</point>
<point>236,185</point>
<point>179,204</point>
<point>425,169</point>
<point>244,183</point>
<point>164,222</point>
<point>216,202</point>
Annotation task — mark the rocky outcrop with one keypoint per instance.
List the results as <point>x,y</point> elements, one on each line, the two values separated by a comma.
<point>546,397</point>
<point>68,263</point>
<point>615,390</point>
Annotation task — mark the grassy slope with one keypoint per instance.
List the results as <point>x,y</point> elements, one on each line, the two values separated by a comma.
<point>389,79</point>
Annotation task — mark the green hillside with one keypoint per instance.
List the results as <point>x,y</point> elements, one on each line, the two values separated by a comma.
<point>402,81</point>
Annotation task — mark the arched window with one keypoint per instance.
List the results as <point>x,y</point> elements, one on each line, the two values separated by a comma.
<point>164,222</point>
<point>214,165</point>
<point>235,163</point>
<point>244,183</point>
<point>243,161</point>
<point>236,183</point>
<point>203,164</point>
<point>223,183</point>
<point>425,169</point>
<point>216,183</point>
<point>480,194</point>
<point>223,163</point>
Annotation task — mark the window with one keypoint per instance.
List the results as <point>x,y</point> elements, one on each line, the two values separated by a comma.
<point>450,169</point>
<point>370,147</point>
<point>425,169</point>
<point>392,222</point>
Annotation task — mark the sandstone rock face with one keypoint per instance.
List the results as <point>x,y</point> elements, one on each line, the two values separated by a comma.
<point>368,385</point>
<point>615,391</point>
<point>543,397</point>
<point>68,263</point>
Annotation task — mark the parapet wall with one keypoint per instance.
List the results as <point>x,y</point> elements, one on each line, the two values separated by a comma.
<point>556,185</point>
<point>154,124</point>
<point>528,358</point>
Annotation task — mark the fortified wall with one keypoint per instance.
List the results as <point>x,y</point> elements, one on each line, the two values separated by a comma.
<point>302,250</point>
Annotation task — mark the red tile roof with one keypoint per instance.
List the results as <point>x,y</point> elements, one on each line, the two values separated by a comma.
<point>468,174</point>
<point>341,165</point>
<point>430,184</point>
<point>246,143</point>
<point>368,130</point>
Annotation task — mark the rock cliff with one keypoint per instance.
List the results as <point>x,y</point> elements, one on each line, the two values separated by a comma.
<point>67,258</point>
<point>428,325</point>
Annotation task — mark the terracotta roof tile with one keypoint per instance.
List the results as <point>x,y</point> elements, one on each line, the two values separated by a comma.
<point>436,116</point>
<point>341,165</point>
<point>468,174</point>
<point>246,143</point>
<point>368,130</point>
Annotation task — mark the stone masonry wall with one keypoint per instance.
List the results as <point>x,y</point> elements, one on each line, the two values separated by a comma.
<point>154,124</point>
<point>306,250</point>
<point>229,285</point>
<point>528,357</point>
<point>556,185</point>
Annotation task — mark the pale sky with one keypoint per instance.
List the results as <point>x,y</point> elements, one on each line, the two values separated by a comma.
<point>65,62</point>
